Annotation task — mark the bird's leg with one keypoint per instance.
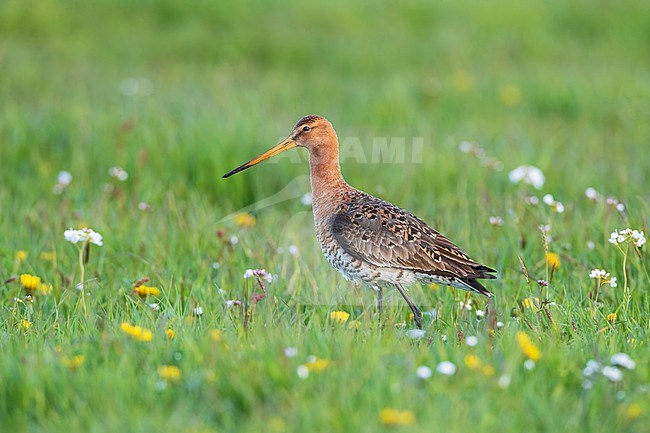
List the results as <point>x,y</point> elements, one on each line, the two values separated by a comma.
<point>417,315</point>
<point>380,300</point>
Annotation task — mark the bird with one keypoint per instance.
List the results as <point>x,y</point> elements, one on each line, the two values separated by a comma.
<point>369,240</point>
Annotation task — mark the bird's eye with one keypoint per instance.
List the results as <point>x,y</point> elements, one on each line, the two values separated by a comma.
<point>306,128</point>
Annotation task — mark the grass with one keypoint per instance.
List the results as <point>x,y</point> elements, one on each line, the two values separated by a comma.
<point>178,93</point>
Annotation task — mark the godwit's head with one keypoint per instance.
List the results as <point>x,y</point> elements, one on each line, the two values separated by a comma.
<point>315,133</point>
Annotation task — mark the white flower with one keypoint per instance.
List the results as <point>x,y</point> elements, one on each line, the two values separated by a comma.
<point>480,313</point>
<point>234,240</point>
<point>528,174</point>
<point>504,381</point>
<point>154,306</point>
<point>260,272</point>
<point>471,340</point>
<point>231,302</point>
<point>423,372</point>
<point>591,245</point>
<point>466,305</point>
<point>612,373</point>
<point>532,200</point>
<point>215,265</point>
<point>591,368</point>
<point>592,194</point>
<point>496,221</point>
<point>198,311</point>
<point>627,235</point>
<point>306,199</point>
<point>499,324</point>
<point>612,282</point>
<point>598,274</point>
<point>290,352</point>
<point>83,235</point>
<point>118,173</point>
<point>623,360</point>
<point>302,371</point>
<point>556,205</point>
<point>64,178</point>
<point>293,250</point>
<point>443,337</point>
<point>144,206</point>
<point>620,207</point>
<point>446,368</point>
<point>529,364</point>
<point>548,199</point>
<point>415,334</point>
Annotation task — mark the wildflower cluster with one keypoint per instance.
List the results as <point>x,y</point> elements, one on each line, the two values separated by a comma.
<point>244,220</point>
<point>390,416</point>
<point>603,277</point>
<point>136,332</point>
<point>83,235</point>
<point>118,173</point>
<point>528,174</point>
<point>32,284</point>
<point>339,316</point>
<point>474,362</point>
<point>554,204</point>
<point>258,272</point>
<point>635,237</point>
<point>613,372</point>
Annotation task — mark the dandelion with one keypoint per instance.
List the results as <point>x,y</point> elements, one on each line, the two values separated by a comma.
<point>317,365</point>
<point>423,372</point>
<point>136,332</point>
<point>635,237</point>
<point>528,174</point>
<point>446,368</point>
<point>169,373</point>
<point>244,220</point>
<point>26,324</point>
<point>118,173</point>
<point>144,291</point>
<point>74,362</point>
<point>258,272</point>
<point>32,284</point>
<point>634,411</point>
<point>339,316</point>
<point>170,334</point>
<point>527,347</point>
<point>553,260</point>
<point>390,416</point>
<point>472,361</point>
<point>611,317</point>
<point>215,335</point>
<point>623,360</point>
<point>21,255</point>
<point>496,221</point>
<point>612,374</point>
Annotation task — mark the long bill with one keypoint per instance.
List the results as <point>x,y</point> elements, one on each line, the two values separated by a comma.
<point>287,144</point>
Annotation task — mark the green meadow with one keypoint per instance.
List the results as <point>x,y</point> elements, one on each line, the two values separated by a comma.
<point>121,116</point>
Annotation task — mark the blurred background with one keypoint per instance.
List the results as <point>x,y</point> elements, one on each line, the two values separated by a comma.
<point>179,92</point>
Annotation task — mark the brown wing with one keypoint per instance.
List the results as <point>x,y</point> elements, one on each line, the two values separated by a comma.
<point>384,235</point>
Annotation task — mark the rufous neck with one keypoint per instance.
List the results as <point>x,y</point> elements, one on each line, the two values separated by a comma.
<point>325,171</point>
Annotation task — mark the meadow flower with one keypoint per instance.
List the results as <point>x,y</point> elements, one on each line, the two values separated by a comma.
<point>83,235</point>
<point>136,332</point>
<point>496,221</point>
<point>293,250</point>
<point>74,362</point>
<point>290,352</point>
<point>627,235</point>
<point>472,361</point>
<point>531,200</point>
<point>555,205</point>
<point>504,381</point>
<point>415,334</point>
<point>26,324</point>
<point>234,240</point>
<point>471,340</point>
<point>21,255</point>
<point>623,360</point>
<point>466,305</point>
<point>553,260</point>
<point>306,199</point>
<point>611,317</point>
<point>154,306</point>
<point>316,365</point>
<point>510,95</point>
<point>592,368</point>
<point>144,291</point>
<point>144,206</point>
<point>528,174</point>
<point>118,173</point>
<point>423,372</point>
<point>63,180</point>
<point>244,220</point>
<point>527,347</point>
<point>612,374</point>
<point>258,272</point>
<point>446,368</point>
<point>197,311</point>
<point>603,277</point>
<point>339,316</point>
<point>529,364</point>
<point>302,371</point>
<point>390,416</point>
<point>169,372</point>
<point>465,146</point>
<point>170,334</point>
<point>232,302</point>
<point>463,80</point>
<point>32,284</point>
<point>633,411</point>
<point>592,194</point>
<point>480,314</point>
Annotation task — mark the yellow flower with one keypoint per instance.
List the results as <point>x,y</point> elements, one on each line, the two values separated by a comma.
<point>462,81</point>
<point>531,302</point>
<point>245,220</point>
<point>144,291</point>
<point>510,95</point>
<point>472,361</point>
<point>611,317</point>
<point>169,372</point>
<point>392,416</point>
<point>136,332</point>
<point>21,255</point>
<point>50,256</point>
<point>170,334</point>
<point>26,324</point>
<point>339,316</point>
<point>74,362</point>
<point>527,347</point>
<point>30,282</point>
<point>316,365</point>
<point>488,370</point>
<point>553,260</point>
<point>634,411</point>
<point>215,334</point>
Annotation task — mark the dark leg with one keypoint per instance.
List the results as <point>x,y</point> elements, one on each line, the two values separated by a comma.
<point>380,300</point>
<point>416,311</point>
